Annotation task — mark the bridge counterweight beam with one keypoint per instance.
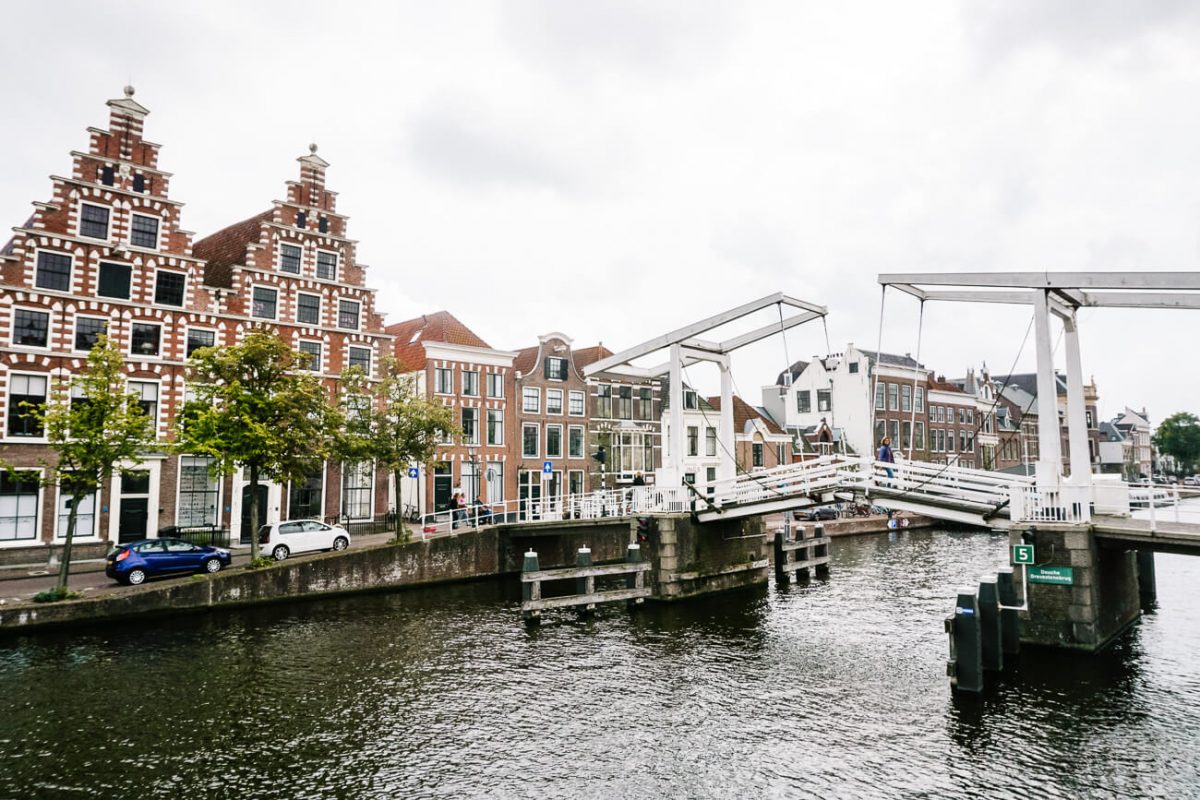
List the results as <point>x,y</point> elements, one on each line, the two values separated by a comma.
<point>1049,464</point>
<point>1077,434</point>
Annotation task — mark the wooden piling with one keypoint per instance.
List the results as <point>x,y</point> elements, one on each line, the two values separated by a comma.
<point>1010,621</point>
<point>991,647</point>
<point>531,591</point>
<point>965,667</point>
<point>585,585</point>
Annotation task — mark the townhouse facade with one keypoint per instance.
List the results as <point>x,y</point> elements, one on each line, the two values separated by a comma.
<point>759,442</point>
<point>454,366</point>
<point>624,422</point>
<point>952,424</point>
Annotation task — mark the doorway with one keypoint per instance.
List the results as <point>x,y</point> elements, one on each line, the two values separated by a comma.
<point>262,511</point>
<point>134,514</point>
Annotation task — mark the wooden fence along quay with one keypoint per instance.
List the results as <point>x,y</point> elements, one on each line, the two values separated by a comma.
<point>585,573</point>
<point>796,551</point>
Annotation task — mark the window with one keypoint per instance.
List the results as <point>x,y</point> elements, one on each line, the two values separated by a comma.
<point>31,328</point>
<point>139,183</point>
<point>114,280</point>
<point>824,400</point>
<point>531,400</point>
<point>361,357</point>
<point>93,221</point>
<point>693,440</point>
<point>358,406</point>
<point>893,397</point>
<point>906,441</point>
<point>198,491</point>
<point>494,477</point>
<point>323,224</point>
<point>495,426</point>
<point>168,288</point>
<point>265,301</point>
<point>575,441</point>
<point>575,481</point>
<point>556,369</point>
<point>107,175</point>
<point>470,382</point>
<point>310,353</point>
<point>852,368</point>
<point>529,440</point>
<point>143,232</point>
<point>144,338</point>
<point>53,271</point>
<point>24,393</point>
<point>895,432</point>
<point>146,395</point>
<point>470,425</point>
<point>554,441</point>
<point>689,399</point>
<point>757,454</point>
<point>919,441</point>
<point>554,401</point>
<point>941,413</point>
<point>575,404</point>
<point>906,398</point>
<point>604,401</point>
<point>348,314</point>
<point>779,457</point>
<point>327,265</point>
<point>880,430</point>
<point>710,441</point>
<point>290,257</point>
<point>950,440</point>
<point>18,506</point>
<point>920,400</point>
<point>647,395</point>
<point>803,401</point>
<point>301,219</point>
<point>356,489</point>
<point>495,385</point>
<point>308,309</point>
<point>198,337</point>
<point>625,402</point>
<point>88,330</point>
<point>879,390</point>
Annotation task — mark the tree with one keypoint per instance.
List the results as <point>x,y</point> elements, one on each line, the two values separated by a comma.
<point>91,431</point>
<point>255,409</point>
<point>1179,437</point>
<point>390,423</point>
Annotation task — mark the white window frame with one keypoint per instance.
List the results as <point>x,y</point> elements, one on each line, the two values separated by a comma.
<point>61,514</point>
<point>179,487</point>
<point>157,323</point>
<point>75,329</point>
<point>254,287</point>
<point>10,409</point>
<point>39,508</point>
<point>12,327</point>
<point>316,324</point>
<point>582,441</point>
<point>499,414</point>
<point>478,437</point>
<point>279,258</point>
<point>337,263</point>
<point>79,222</point>
<point>554,426</point>
<point>496,379</point>
<point>157,231</point>
<point>531,392</point>
<point>154,295</point>
<point>437,384</point>
<point>462,376</point>
<point>187,333</point>
<point>320,365</point>
<point>549,393</point>
<point>537,436</point>
<point>572,395</point>
<point>357,314</point>
<point>70,271</point>
<point>370,356</point>
<point>158,398</point>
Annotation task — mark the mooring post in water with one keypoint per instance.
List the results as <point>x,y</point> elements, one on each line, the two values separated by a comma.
<point>965,666</point>
<point>781,556</point>
<point>633,555</point>
<point>821,551</point>
<point>991,648</point>
<point>1010,621</point>
<point>533,589</point>
<point>585,586</point>
<point>1147,583</point>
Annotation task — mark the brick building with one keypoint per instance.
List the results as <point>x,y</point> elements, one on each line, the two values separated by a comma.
<point>625,419</point>
<point>900,386</point>
<point>952,424</point>
<point>293,269</point>
<point>759,442</point>
<point>552,421</point>
<point>456,367</point>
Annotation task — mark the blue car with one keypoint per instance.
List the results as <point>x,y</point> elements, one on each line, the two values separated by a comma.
<point>133,563</point>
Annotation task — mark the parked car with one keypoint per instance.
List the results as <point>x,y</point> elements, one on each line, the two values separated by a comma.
<point>1191,482</point>
<point>134,562</point>
<point>280,539</point>
<point>816,514</point>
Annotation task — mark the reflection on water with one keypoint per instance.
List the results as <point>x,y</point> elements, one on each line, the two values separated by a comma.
<point>833,688</point>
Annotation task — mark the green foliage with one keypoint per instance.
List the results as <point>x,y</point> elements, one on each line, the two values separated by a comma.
<point>392,424</point>
<point>255,408</point>
<point>91,434</point>
<point>1179,437</point>
<point>56,594</point>
<point>260,562</point>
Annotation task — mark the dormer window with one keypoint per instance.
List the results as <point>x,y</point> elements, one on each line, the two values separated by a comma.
<point>556,369</point>
<point>689,399</point>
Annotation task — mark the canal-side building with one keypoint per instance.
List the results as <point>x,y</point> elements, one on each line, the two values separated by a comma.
<point>624,422</point>
<point>292,269</point>
<point>105,254</point>
<point>701,420</point>
<point>759,442</point>
<point>552,421</point>
<point>952,424</point>
<point>454,366</point>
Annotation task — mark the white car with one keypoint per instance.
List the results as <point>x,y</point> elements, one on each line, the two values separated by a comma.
<point>280,539</point>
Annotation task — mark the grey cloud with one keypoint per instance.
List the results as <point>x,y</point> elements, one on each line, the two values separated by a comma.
<point>457,142</point>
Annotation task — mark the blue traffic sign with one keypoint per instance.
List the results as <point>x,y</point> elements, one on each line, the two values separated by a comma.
<point>412,472</point>
<point>547,467</point>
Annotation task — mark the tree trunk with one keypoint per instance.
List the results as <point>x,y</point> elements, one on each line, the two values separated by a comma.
<point>401,526</point>
<point>255,550</point>
<point>64,568</point>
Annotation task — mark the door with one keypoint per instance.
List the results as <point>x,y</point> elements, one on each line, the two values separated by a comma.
<point>134,514</point>
<point>530,494</point>
<point>443,484</point>
<point>262,511</point>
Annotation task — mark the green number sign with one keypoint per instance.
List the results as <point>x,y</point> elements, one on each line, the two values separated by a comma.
<point>1022,554</point>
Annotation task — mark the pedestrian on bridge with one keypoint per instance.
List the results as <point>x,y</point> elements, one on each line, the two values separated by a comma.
<point>885,455</point>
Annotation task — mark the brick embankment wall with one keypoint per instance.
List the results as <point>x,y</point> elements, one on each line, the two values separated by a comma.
<point>360,569</point>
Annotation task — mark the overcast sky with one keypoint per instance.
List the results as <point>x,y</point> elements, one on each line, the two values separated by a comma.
<point>613,170</point>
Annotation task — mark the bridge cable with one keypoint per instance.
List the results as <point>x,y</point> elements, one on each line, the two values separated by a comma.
<point>874,401</point>
<point>912,424</point>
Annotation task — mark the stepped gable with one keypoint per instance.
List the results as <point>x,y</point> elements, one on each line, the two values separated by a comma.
<point>440,326</point>
<point>743,412</point>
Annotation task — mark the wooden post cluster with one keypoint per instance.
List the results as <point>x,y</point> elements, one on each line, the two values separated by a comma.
<point>632,589</point>
<point>984,631</point>
<point>801,552</point>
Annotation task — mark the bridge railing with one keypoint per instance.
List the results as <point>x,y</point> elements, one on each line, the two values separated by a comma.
<point>943,481</point>
<point>632,501</point>
<point>790,480</point>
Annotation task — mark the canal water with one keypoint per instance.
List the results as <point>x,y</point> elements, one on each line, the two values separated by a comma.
<point>831,689</point>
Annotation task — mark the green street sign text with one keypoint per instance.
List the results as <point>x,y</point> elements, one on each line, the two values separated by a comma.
<point>1061,576</point>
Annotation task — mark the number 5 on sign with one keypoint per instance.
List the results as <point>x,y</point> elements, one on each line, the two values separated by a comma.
<point>1022,554</point>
